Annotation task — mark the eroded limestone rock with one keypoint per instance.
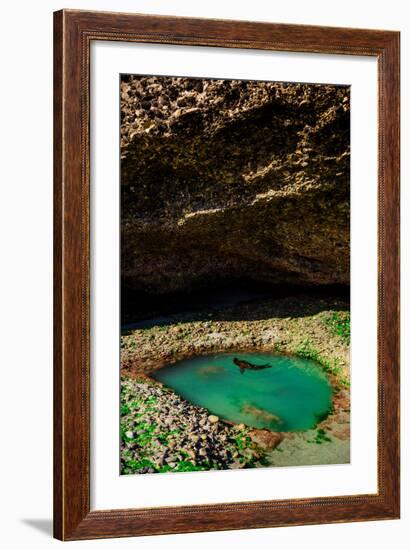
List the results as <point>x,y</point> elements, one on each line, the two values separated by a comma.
<point>230,179</point>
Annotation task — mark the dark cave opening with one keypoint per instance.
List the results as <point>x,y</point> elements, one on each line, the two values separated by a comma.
<point>137,306</point>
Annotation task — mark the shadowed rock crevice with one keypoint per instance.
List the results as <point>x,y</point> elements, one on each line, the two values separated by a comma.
<point>230,179</point>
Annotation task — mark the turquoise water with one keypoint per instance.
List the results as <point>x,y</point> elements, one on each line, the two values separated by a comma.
<point>292,394</point>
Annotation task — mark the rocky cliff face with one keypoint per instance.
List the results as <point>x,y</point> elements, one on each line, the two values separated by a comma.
<point>233,179</point>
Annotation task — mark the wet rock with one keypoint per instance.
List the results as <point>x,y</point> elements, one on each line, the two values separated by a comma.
<point>265,439</point>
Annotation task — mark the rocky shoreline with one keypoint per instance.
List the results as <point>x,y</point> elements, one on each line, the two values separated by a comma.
<point>161,432</point>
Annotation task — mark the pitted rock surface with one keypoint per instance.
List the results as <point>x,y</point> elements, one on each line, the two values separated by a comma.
<point>233,179</point>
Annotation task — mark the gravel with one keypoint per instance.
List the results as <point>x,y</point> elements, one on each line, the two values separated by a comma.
<point>161,432</point>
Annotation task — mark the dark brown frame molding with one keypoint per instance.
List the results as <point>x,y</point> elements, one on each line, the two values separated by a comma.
<point>73,33</point>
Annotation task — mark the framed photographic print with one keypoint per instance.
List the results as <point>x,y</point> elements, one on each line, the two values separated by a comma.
<point>226,275</point>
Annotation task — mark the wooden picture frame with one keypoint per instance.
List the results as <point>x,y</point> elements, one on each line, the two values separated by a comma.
<point>73,33</point>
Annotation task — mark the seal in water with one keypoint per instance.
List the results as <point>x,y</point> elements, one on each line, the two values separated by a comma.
<point>245,365</point>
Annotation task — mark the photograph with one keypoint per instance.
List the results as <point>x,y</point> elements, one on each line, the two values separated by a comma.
<point>234,274</point>
<point>226,273</point>
<point>205,228</point>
